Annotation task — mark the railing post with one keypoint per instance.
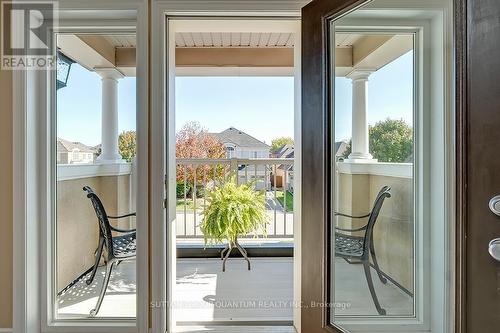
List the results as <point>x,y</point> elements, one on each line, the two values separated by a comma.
<point>234,168</point>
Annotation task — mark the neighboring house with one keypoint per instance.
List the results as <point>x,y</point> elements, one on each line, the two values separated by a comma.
<point>74,152</point>
<point>283,151</point>
<point>242,145</point>
<point>341,147</point>
<point>284,172</point>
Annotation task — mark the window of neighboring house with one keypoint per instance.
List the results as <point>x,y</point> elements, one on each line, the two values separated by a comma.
<point>255,154</point>
<point>230,152</point>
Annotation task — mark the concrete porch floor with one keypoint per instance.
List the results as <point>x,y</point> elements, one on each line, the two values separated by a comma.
<point>205,294</point>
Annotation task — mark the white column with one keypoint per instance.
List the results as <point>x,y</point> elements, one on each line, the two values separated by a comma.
<point>360,147</point>
<point>109,116</point>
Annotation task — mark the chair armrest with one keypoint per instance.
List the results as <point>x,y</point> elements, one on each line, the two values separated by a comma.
<point>121,216</point>
<point>352,217</point>
<point>357,229</point>
<point>121,230</point>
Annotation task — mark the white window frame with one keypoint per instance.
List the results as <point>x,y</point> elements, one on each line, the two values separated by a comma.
<point>433,169</point>
<point>34,175</point>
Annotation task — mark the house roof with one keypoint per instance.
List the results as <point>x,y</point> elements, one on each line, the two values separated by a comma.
<point>341,147</point>
<point>284,150</point>
<point>239,138</point>
<point>67,146</point>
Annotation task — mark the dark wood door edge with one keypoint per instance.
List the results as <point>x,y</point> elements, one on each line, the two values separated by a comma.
<point>461,127</point>
<point>316,161</point>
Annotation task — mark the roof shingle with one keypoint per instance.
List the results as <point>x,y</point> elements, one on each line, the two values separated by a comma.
<point>240,138</point>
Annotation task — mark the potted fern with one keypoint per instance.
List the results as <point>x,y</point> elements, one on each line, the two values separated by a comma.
<point>233,210</point>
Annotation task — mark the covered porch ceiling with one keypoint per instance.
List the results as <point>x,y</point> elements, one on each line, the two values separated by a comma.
<point>236,53</point>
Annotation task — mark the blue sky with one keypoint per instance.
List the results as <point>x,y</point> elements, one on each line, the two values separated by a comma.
<point>260,106</point>
<point>79,106</point>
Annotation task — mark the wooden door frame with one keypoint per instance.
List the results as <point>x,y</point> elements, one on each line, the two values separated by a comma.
<point>461,132</point>
<point>316,141</point>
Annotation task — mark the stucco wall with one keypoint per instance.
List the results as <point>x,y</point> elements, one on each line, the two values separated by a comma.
<point>6,200</point>
<point>393,233</point>
<point>77,229</point>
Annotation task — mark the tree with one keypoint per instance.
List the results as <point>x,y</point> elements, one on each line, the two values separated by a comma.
<point>194,141</point>
<point>390,140</point>
<point>127,145</point>
<point>280,142</point>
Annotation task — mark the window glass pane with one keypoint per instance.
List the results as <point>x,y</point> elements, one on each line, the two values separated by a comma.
<point>373,218</point>
<point>95,143</point>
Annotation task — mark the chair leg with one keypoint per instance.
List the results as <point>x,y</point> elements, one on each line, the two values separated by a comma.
<point>368,275</point>
<point>109,269</point>
<point>98,254</point>
<point>375,263</point>
<point>352,262</point>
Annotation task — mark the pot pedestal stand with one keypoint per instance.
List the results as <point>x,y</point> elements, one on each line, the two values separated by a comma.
<point>227,250</point>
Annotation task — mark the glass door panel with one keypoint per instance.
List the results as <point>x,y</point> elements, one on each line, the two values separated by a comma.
<point>373,217</point>
<point>96,177</point>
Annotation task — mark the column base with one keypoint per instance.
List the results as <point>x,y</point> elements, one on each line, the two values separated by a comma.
<point>109,160</point>
<point>360,158</point>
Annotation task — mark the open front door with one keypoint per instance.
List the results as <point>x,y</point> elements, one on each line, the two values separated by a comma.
<point>317,160</point>
<point>478,176</point>
<point>377,144</point>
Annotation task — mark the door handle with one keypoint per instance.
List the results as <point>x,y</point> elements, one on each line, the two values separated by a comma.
<point>494,246</point>
<point>494,249</point>
<point>495,205</point>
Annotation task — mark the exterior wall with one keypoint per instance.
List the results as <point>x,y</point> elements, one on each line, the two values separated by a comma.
<point>6,203</point>
<point>77,157</point>
<point>62,158</point>
<point>289,181</point>
<point>280,177</point>
<point>77,222</point>
<point>249,152</point>
<point>69,157</point>
<point>394,231</point>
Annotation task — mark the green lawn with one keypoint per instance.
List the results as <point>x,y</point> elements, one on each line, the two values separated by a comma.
<point>189,204</point>
<point>289,200</point>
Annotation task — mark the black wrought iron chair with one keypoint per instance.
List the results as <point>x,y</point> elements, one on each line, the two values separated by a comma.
<point>117,248</point>
<point>360,248</point>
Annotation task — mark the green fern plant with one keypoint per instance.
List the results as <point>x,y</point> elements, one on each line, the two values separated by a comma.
<point>232,211</point>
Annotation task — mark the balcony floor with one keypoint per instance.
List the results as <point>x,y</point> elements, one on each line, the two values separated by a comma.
<point>206,294</point>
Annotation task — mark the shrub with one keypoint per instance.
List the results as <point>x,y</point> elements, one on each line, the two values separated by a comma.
<point>180,190</point>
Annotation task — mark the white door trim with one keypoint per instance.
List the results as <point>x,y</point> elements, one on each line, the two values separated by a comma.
<point>161,230</point>
<point>32,175</point>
